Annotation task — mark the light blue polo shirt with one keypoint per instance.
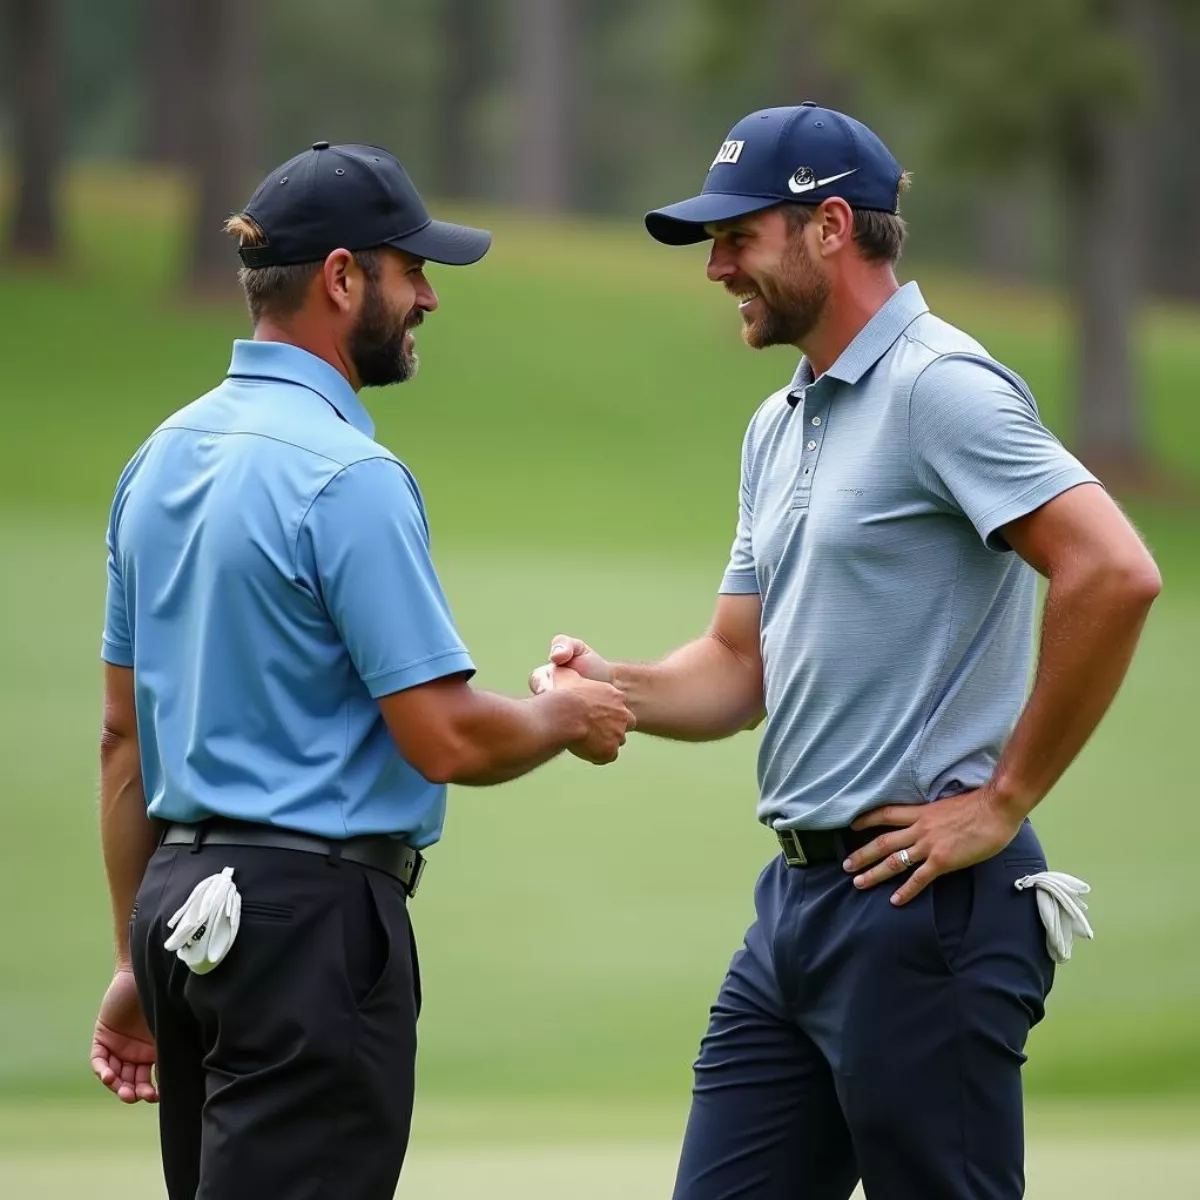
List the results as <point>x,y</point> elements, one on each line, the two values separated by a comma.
<point>897,627</point>
<point>269,578</point>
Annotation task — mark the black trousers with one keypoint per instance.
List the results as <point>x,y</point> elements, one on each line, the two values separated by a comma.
<point>286,1073</point>
<point>855,1040</point>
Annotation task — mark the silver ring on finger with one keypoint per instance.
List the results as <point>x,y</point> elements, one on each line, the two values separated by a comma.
<point>905,858</point>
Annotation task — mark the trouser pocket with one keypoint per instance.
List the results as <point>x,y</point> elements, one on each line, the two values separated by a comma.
<point>952,906</point>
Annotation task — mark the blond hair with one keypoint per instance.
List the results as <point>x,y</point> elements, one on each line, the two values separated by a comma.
<point>277,292</point>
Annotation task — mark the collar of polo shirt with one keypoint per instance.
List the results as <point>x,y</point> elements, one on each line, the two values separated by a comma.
<point>871,342</point>
<point>290,364</point>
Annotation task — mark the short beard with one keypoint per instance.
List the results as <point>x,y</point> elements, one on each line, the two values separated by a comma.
<point>794,304</point>
<point>377,342</point>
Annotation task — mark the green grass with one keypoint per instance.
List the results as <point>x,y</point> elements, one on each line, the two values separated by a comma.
<point>576,429</point>
<point>541,1151</point>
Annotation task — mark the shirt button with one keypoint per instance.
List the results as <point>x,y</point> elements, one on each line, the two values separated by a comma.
<point>816,420</point>
<point>812,445</point>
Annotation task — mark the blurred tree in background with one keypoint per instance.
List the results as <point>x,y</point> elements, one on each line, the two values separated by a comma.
<point>1061,87</point>
<point>34,74</point>
<point>1051,140</point>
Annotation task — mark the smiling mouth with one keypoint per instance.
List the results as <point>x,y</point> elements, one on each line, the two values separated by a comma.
<point>746,298</point>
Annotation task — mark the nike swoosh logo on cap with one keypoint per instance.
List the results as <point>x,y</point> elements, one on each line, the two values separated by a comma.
<point>797,188</point>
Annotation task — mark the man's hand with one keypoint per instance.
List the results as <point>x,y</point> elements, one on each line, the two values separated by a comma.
<point>567,651</point>
<point>122,1048</point>
<point>956,832</point>
<point>608,716</point>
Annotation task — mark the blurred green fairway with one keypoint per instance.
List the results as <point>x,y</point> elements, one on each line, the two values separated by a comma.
<point>575,428</point>
<point>583,1151</point>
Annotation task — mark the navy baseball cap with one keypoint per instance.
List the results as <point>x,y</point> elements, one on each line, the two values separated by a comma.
<point>803,155</point>
<point>350,197</point>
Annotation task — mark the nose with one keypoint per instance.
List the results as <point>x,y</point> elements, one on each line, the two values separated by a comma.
<point>427,298</point>
<point>720,264</point>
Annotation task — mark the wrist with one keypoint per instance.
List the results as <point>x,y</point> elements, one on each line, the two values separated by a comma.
<point>1012,799</point>
<point>567,712</point>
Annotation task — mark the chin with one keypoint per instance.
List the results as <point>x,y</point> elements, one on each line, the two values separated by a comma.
<point>755,335</point>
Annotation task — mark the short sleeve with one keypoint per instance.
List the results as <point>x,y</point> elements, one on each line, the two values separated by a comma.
<point>740,576</point>
<point>116,645</point>
<point>980,448</point>
<point>364,548</point>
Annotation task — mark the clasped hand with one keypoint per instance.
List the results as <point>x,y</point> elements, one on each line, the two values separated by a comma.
<point>575,665</point>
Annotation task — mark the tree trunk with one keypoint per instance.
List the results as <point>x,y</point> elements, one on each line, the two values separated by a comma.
<point>801,64</point>
<point>223,138</point>
<point>1102,176</point>
<point>168,67</point>
<point>1004,234</point>
<point>548,66</point>
<point>464,57</point>
<point>34,59</point>
<point>1174,259</point>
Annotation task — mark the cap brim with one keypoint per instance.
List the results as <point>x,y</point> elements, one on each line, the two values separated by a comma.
<point>683,224</point>
<point>442,242</point>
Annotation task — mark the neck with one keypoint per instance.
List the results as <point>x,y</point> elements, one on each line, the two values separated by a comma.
<point>856,298</point>
<point>318,343</point>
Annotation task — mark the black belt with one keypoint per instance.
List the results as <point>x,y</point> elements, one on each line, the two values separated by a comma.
<point>804,846</point>
<point>377,851</point>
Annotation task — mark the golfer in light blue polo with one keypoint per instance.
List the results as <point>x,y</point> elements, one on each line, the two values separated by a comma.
<point>899,497</point>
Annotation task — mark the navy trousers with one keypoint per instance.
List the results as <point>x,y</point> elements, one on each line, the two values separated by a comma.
<point>853,1039</point>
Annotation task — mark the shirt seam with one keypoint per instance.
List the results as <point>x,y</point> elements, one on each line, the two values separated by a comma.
<point>344,467</point>
<point>912,466</point>
<point>265,436</point>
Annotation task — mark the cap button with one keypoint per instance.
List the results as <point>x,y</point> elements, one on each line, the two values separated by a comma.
<point>809,104</point>
<point>320,145</point>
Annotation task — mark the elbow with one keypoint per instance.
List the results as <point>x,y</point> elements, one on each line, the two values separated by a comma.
<point>112,741</point>
<point>1129,582</point>
<point>436,766</point>
<point>443,762</point>
<point>1139,582</point>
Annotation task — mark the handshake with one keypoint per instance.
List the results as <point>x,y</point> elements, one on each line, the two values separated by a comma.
<point>575,668</point>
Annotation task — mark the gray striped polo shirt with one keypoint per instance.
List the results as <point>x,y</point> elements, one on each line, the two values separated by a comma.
<point>897,627</point>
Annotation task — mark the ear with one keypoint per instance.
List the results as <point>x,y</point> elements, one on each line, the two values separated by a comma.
<point>834,222</point>
<point>339,280</point>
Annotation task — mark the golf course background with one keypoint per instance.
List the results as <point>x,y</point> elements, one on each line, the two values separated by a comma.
<point>575,429</point>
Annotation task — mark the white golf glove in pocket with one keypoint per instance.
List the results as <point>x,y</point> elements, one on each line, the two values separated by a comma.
<point>207,924</point>
<point>1061,909</point>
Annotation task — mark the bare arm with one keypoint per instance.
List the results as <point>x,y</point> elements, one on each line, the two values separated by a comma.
<point>123,1052</point>
<point>453,733</point>
<point>1102,582</point>
<point>708,689</point>
<point>127,835</point>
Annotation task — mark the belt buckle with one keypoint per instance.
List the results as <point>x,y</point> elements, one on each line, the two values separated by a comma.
<point>793,850</point>
<point>418,870</point>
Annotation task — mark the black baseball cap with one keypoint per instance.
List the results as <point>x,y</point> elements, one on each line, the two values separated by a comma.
<point>351,197</point>
<point>803,154</point>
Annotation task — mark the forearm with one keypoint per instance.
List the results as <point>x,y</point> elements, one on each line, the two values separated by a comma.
<point>500,739</point>
<point>703,691</point>
<point>1090,629</point>
<point>127,834</point>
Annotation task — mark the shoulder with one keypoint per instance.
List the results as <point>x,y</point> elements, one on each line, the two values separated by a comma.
<point>371,488</point>
<point>938,364</point>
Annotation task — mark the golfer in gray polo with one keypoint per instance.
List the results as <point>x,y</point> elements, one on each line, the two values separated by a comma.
<point>899,497</point>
